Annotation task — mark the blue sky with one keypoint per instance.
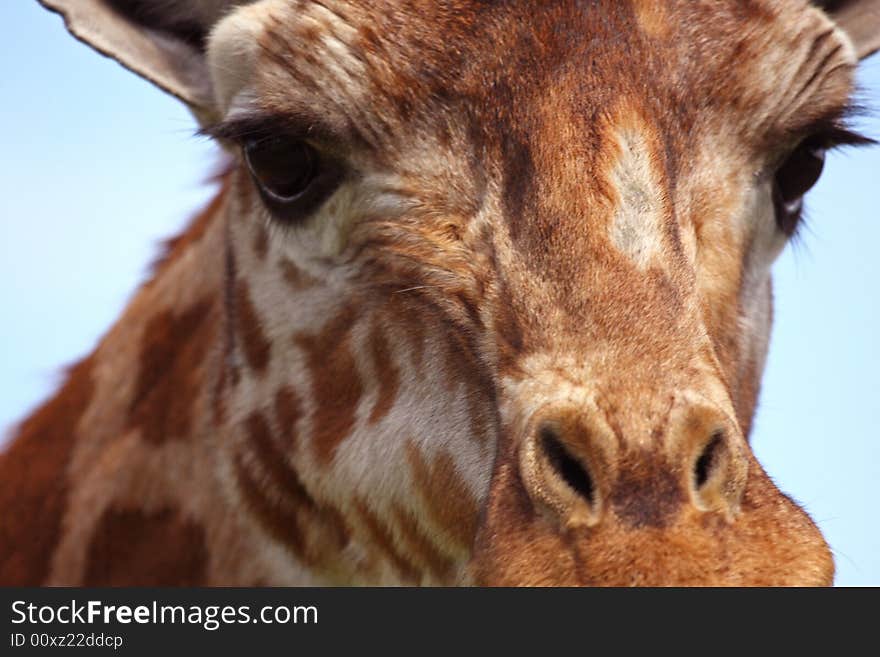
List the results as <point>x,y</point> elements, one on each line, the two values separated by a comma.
<point>99,166</point>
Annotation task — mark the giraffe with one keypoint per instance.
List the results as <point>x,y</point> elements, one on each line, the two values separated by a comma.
<point>484,298</point>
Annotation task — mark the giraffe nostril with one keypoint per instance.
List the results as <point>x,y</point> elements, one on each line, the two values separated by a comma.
<point>718,470</point>
<point>569,469</point>
<point>708,460</point>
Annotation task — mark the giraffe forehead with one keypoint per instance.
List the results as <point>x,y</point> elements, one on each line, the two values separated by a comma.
<point>382,63</point>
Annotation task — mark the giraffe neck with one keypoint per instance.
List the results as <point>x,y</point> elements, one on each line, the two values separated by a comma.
<point>120,461</point>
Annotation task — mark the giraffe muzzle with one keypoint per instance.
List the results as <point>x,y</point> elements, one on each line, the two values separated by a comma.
<point>591,492</point>
<point>581,468</point>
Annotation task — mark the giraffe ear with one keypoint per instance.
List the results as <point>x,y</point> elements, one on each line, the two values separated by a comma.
<point>160,40</point>
<point>860,19</point>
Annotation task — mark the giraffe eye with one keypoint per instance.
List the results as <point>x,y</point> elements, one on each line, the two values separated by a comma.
<point>283,168</point>
<point>292,177</point>
<point>794,178</point>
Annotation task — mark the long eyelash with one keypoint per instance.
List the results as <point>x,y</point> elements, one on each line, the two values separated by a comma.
<point>245,128</point>
<point>836,136</point>
<point>239,130</point>
<point>798,238</point>
<point>834,130</point>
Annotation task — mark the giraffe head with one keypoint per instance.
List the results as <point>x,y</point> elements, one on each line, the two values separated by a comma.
<point>498,274</point>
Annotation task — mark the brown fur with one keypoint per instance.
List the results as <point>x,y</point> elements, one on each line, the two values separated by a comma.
<point>287,412</point>
<point>170,376</point>
<point>336,384</point>
<point>449,503</point>
<point>254,342</point>
<point>420,546</point>
<point>131,536</point>
<point>383,539</point>
<point>280,516</point>
<point>35,483</point>
<point>298,280</point>
<point>387,374</point>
